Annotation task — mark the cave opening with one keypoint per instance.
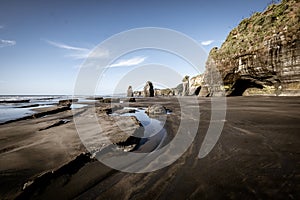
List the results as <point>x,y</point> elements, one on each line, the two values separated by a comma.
<point>197,91</point>
<point>241,85</point>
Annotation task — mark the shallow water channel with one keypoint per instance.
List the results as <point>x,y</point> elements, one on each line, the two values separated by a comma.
<point>153,128</point>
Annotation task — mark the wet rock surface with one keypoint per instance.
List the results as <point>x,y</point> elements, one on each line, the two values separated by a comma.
<point>66,102</point>
<point>156,110</point>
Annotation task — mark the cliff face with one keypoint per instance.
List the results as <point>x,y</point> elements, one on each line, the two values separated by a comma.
<point>262,54</point>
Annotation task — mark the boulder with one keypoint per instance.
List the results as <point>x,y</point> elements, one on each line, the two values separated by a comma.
<point>156,109</point>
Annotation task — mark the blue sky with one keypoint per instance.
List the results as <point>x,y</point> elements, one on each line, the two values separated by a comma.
<point>44,43</point>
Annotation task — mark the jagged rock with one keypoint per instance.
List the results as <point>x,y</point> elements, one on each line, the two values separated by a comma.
<point>156,109</point>
<point>195,84</point>
<point>129,92</point>
<point>185,86</point>
<point>178,90</point>
<point>148,89</point>
<point>164,92</point>
<point>261,55</point>
<point>204,92</point>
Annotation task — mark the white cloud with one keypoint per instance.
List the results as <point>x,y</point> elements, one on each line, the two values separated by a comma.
<point>207,42</point>
<point>79,52</point>
<point>87,54</point>
<point>99,53</point>
<point>7,43</point>
<point>129,62</point>
<point>65,46</point>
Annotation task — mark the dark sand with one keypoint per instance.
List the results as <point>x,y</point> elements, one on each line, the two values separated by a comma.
<point>256,157</point>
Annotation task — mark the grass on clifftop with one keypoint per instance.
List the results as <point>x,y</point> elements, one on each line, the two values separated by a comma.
<point>253,33</point>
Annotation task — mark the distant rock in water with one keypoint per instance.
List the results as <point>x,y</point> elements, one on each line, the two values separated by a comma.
<point>94,98</point>
<point>148,89</point>
<point>129,92</point>
<point>261,56</point>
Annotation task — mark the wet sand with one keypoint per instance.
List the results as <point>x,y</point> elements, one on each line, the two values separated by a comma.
<point>256,157</point>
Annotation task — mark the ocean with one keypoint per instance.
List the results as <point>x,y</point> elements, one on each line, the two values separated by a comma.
<point>17,106</point>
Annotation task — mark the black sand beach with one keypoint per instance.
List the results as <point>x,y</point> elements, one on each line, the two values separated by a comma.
<point>256,157</point>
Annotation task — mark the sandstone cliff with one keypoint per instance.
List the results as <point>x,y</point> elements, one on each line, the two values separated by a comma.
<point>262,54</point>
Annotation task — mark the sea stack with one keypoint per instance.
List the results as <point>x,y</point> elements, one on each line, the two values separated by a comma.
<point>129,92</point>
<point>148,89</point>
<point>185,86</point>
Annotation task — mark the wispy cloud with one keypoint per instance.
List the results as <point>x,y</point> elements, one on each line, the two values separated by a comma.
<point>129,62</point>
<point>79,52</point>
<point>7,43</point>
<point>65,46</point>
<point>207,42</point>
<point>1,27</point>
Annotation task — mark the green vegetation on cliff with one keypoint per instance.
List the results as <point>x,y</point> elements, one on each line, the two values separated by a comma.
<point>262,51</point>
<point>250,35</point>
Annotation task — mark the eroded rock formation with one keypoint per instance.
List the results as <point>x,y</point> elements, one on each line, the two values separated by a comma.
<point>195,84</point>
<point>185,86</point>
<point>129,91</point>
<point>148,89</point>
<point>262,54</point>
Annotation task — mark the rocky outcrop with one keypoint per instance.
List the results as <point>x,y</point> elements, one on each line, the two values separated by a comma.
<point>261,55</point>
<point>66,102</point>
<point>129,92</point>
<point>195,84</point>
<point>185,86</point>
<point>164,92</point>
<point>156,109</point>
<point>148,89</point>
